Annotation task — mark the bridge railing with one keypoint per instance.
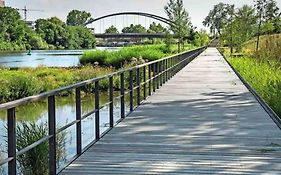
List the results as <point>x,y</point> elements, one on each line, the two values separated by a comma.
<point>146,77</point>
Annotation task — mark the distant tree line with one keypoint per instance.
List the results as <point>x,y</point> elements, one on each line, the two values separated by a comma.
<point>237,25</point>
<point>50,33</point>
<point>181,29</point>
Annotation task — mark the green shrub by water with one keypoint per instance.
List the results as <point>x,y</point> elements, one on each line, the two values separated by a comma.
<point>19,83</point>
<point>263,76</point>
<point>128,54</point>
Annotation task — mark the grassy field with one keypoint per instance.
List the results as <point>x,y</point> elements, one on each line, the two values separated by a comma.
<point>262,69</point>
<point>249,47</point>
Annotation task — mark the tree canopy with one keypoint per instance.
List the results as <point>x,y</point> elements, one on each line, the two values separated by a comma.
<point>112,29</point>
<point>134,29</point>
<point>218,17</point>
<point>237,25</point>
<point>50,33</point>
<point>156,28</point>
<point>78,18</point>
<point>176,12</point>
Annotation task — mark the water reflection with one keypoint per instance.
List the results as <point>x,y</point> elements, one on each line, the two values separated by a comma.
<point>65,113</point>
<point>49,58</point>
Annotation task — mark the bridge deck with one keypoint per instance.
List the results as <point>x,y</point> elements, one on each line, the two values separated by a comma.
<point>202,121</point>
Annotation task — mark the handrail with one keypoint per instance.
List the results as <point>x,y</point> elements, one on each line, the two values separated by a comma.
<point>40,96</point>
<point>149,76</point>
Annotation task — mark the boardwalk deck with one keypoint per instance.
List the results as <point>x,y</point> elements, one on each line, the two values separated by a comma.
<point>202,121</point>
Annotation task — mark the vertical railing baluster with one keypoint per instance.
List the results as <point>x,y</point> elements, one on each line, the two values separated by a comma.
<point>111,120</point>
<point>154,77</point>
<point>11,118</point>
<point>157,74</point>
<point>78,119</point>
<point>131,91</point>
<point>161,73</point>
<point>97,113</point>
<point>144,82</point>
<point>149,77</point>
<point>166,70</point>
<point>169,71</point>
<point>52,133</point>
<point>122,95</point>
<point>138,84</point>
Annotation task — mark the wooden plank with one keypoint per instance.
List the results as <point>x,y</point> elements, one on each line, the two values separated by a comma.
<point>202,121</point>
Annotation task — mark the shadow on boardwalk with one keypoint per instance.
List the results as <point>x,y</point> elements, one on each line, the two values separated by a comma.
<point>216,127</point>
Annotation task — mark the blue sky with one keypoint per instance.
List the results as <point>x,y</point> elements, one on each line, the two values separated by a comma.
<point>198,9</point>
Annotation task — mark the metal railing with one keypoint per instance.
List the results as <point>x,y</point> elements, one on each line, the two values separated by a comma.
<point>153,75</point>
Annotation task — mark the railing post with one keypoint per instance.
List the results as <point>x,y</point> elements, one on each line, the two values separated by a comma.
<point>78,118</point>
<point>166,70</point>
<point>11,118</point>
<point>154,77</point>
<point>161,72</point>
<point>144,82</point>
<point>52,133</point>
<point>111,121</point>
<point>157,73</point>
<point>97,113</point>
<point>149,77</point>
<point>131,91</point>
<point>169,65</point>
<point>122,95</point>
<point>138,84</point>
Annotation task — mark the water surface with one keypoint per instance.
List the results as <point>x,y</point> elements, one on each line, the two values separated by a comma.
<point>49,58</point>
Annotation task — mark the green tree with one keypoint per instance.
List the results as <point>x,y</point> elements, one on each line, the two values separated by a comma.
<point>112,29</point>
<point>15,34</point>
<point>201,38</point>
<point>218,18</point>
<point>241,28</point>
<point>78,18</point>
<point>80,37</point>
<point>177,13</point>
<point>260,7</point>
<point>156,28</point>
<point>53,31</point>
<point>272,16</point>
<point>134,29</point>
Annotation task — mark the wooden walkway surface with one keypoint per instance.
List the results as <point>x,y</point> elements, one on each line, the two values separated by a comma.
<point>202,121</point>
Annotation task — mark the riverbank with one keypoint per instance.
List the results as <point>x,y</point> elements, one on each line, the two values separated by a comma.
<point>23,82</point>
<point>16,83</point>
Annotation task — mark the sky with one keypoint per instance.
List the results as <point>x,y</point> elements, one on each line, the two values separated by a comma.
<point>197,9</point>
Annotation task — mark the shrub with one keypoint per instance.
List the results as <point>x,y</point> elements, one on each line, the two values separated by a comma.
<point>17,85</point>
<point>91,57</point>
<point>118,58</point>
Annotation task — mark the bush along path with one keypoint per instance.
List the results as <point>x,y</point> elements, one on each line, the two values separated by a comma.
<point>131,54</point>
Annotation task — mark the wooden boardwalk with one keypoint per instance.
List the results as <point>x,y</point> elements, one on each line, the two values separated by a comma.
<point>202,121</point>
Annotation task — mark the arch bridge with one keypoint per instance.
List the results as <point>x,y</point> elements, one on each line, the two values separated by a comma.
<point>133,35</point>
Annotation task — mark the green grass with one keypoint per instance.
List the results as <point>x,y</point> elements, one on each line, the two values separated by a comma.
<point>35,161</point>
<point>249,47</point>
<point>126,55</point>
<point>19,83</point>
<point>263,76</point>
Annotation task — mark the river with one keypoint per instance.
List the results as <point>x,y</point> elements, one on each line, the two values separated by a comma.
<point>65,113</point>
<point>65,106</point>
<point>49,58</point>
